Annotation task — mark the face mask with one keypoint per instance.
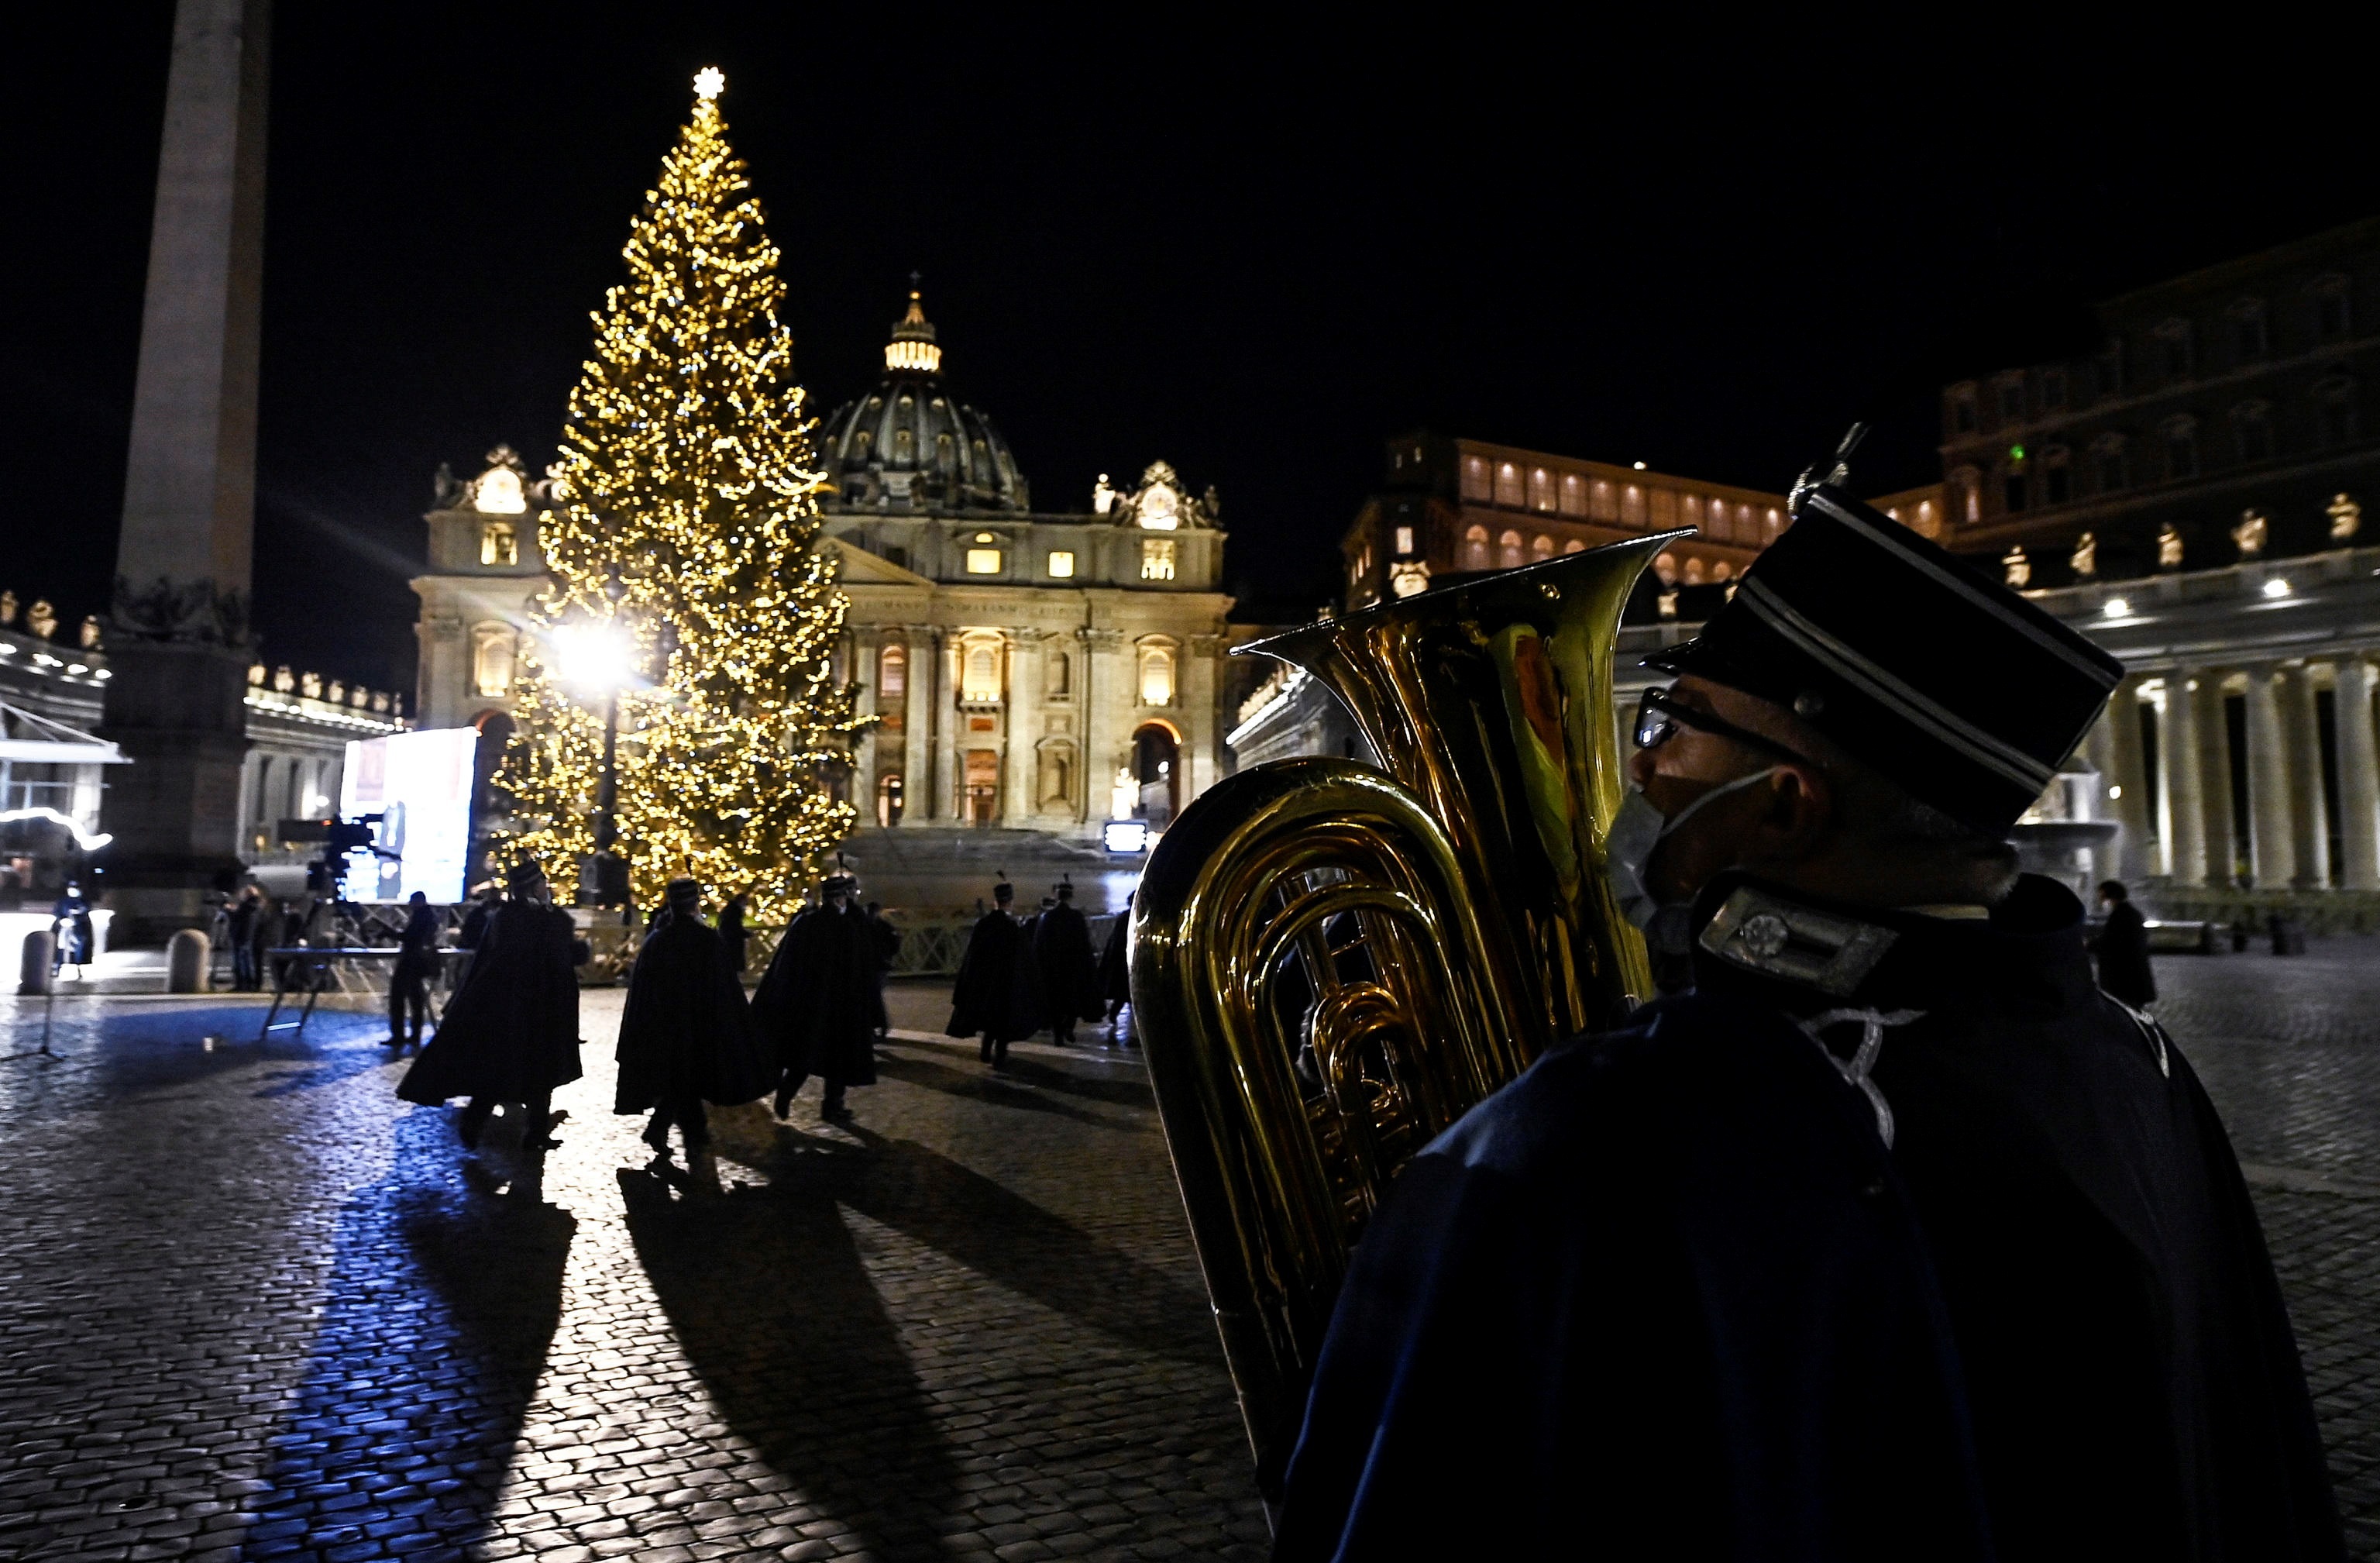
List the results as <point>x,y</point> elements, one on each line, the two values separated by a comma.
<point>1639,828</point>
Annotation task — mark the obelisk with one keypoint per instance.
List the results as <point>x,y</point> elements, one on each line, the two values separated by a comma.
<point>179,632</point>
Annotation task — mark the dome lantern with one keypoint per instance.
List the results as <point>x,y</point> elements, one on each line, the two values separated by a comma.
<point>912,349</point>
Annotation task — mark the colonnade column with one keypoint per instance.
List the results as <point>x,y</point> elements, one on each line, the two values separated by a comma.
<point>1017,779</point>
<point>2177,776</point>
<point>2214,781</point>
<point>2128,779</point>
<point>2359,779</point>
<point>1203,734</point>
<point>2310,810</point>
<point>943,789</point>
<point>1104,686</point>
<point>2272,861</point>
<point>917,721</point>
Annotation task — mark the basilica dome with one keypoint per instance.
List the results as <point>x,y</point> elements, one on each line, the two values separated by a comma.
<point>910,446</point>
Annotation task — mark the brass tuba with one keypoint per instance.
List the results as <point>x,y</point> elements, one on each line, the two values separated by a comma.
<point>1332,962</point>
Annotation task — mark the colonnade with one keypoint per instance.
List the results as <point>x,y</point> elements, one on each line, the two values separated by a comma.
<point>2165,751</point>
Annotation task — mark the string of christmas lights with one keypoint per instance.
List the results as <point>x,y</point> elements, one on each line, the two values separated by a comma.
<point>686,526</point>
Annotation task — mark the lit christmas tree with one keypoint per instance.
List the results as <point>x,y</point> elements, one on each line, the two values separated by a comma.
<point>684,567</point>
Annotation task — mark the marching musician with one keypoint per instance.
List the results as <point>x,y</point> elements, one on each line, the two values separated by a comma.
<point>1891,1236</point>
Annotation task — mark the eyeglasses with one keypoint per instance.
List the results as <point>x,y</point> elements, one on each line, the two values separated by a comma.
<point>1659,715</point>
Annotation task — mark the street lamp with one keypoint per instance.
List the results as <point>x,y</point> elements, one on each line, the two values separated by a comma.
<point>600,659</point>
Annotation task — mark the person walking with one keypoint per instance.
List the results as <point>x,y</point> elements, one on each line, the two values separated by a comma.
<point>885,949</point>
<point>2122,947</point>
<point>1069,973</point>
<point>994,996</point>
<point>1115,965</point>
<point>510,1035</point>
<point>816,1007</point>
<point>686,1036</point>
<point>239,932</point>
<point>70,923</point>
<point>734,934</point>
<point>409,981</point>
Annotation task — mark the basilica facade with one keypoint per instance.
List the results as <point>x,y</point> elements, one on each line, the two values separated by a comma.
<point>1042,670</point>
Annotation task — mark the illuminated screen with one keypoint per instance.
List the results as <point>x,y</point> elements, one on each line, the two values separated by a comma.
<point>420,785</point>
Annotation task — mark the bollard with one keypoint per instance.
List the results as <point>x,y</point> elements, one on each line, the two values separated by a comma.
<point>41,949</point>
<point>186,963</point>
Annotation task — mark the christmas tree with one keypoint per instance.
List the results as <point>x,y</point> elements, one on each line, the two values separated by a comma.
<point>683,553</point>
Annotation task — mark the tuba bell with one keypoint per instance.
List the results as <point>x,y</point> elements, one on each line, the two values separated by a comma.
<point>1331,962</point>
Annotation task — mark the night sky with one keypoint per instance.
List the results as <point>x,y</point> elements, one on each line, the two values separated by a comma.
<point>1249,245</point>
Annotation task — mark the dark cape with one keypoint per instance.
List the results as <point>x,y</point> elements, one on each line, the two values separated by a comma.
<point>511,1031</point>
<point>816,1006</point>
<point>1115,962</point>
<point>996,992</point>
<point>1069,972</point>
<point>417,948</point>
<point>686,1029</point>
<point>2122,947</point>
<point>1668,1294</point>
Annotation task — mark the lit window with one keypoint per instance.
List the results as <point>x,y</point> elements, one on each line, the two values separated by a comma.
<point>983,561</point>
<point>1631,506</point>
<point>1156,674</point>
<point>498,545</point>
<point>1062,563</point>
<point>1475,548</point>
<point>1508,484</point>
<point>892,671</point>
<point>498,492</point>
<point>1541,489</point>
<point>888,800</point>
<point>493,646</point>
<point>1508,551</point>
<point>1474,478</point>
<point>1573,495</point>
<point>1405,540</point>
<point>1156,558</point>
<point>979,673</point>
<point>1540,547</point>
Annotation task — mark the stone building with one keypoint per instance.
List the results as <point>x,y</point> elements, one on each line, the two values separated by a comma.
<point>484,566</point>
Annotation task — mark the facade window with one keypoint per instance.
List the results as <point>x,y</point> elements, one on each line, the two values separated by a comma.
<point>1540,547</point>
<point>1665,509</point>
<point>1773,526</point>
<point>499,543</point>
<point>1474,479</point>
<point>1508,551</point>
<point>1507,486</point>
<point>2330,314</point>
<point>1689,511</point>
<point>979,673</point>
<point>1156,674</point>
<point>1156,558</point>
<point>493,647</point>
<point>1631,506</point>
<point>1968,486</point>
<point>2252,430</point>
<point>1061,563</point>
<point>1963,410</point>
<point>1573,495</point>
<point>2114,473</point>
<point>2334,411</point>
<point>893,673</point>
<point>1059,682</point>
<point>1475,548</point>
<point>2053,390</point>
<point>1575,546</point>
<point>2011,401</point>
<point>983,561</point>
<point>2248,343</point>
<point>897,556</point>
<point>888,800</point>
<point>2173,342</point>
<point>2057,477</point>
<point>2012,489</point>
<point>1404,541</point>
<point>1603,500</point>
<point>2182,448</point>
<point>1541,489</point>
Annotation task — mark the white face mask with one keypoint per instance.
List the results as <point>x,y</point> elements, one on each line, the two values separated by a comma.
<point>1637,830</point>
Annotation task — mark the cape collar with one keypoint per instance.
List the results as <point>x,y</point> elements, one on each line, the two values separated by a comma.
<point>1802,952</point>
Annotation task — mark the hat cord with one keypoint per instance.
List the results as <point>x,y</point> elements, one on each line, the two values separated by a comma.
<point>1856,1069</point>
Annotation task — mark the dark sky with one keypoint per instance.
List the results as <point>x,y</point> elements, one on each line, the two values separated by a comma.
<point>1254,251</point>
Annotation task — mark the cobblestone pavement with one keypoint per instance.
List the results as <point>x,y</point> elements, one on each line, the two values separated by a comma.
<point>250,1306</point>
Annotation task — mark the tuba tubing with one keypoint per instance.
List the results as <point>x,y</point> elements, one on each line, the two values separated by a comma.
<point>1331,962</point>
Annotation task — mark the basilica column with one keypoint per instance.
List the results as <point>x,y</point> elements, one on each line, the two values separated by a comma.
<point>1107,718</point>
<point>2129,780</point>
<point>2214,780</point>
<point>2358,778</point>
<point>1200,721</point>
<point>2178,767</point>
<point>916,724</point>
<point>1017,780</point>
<point>949,802</point>
<point>179,626</point>
<point>2310,812</point>
<point>2272,863</point>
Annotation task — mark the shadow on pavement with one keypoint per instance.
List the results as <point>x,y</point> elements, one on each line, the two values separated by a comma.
<point>442,1304</point>
<point>1008,1090</point>
<point>768,1295</point>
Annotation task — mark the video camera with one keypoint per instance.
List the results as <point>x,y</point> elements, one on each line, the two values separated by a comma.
<point>340,839</point>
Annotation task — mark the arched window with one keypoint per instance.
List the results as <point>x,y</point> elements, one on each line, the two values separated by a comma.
<point>1575,546</point>
<point>1694,576</point>
<point>2330,315</point>
<point>2056,476</point>
<point>2173,337</point>
<point>2182,448</point>
<point>1156,673</point>
<point>979,672</point>
<point>2248,340</point>
<point>1665,570</point>
<point>1508,484</point>
<point>1508,551</point>
<point>1541,489</point>
<point>1540,547</point>
<point>1968,486</point>
<point>1475,548</point>
<point>493,648</point>
<point>2252,430</point>
<point>499,543</point>
<point>888,800</point>
<point>2333,410</point>
<point>2109,467</point>
<point>1573,495</point>
<point>891,673</point>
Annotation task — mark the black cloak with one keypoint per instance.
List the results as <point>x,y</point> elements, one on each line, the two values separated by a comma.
<point>511,1031</point>
<point>2122,947</point>
<point>816,1006</point>
<point>686,1029</point>
<point>1669,1294</point>
<point>1115,962</point>
<point>996,992</point>
<point>1069,972</point>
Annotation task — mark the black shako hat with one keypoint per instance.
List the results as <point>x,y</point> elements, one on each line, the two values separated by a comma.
<point>684,895</point>
<point>1941,679</point>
